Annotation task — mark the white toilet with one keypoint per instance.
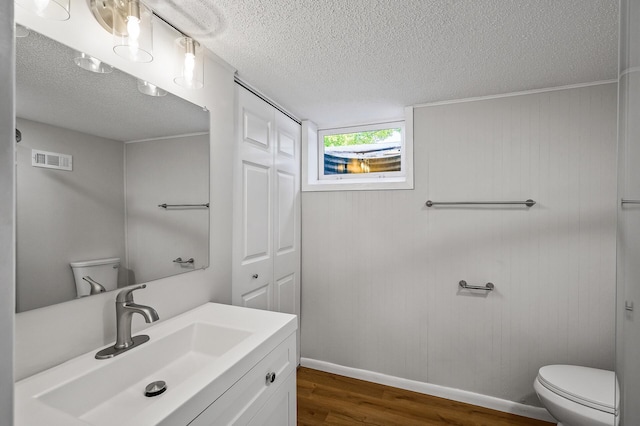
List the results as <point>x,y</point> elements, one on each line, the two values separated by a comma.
<point>102,271</point>
<point>578,396</point>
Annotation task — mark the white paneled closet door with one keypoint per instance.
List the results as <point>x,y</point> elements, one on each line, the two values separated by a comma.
<point>252,205</point>
<point>286,224</point>
<point>266,234</point>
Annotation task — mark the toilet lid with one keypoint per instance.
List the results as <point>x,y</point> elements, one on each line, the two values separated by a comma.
<point>586,386</point>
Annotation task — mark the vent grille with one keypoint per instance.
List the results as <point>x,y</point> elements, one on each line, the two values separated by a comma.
<point>51,160</point>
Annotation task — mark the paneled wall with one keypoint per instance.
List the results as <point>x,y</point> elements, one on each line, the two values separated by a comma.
<point>65,216</point>
<point>174,171</point>
<point>628,273</point>
<point>381,270</point>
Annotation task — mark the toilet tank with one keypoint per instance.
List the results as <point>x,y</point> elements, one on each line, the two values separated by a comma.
<point>103,271</point>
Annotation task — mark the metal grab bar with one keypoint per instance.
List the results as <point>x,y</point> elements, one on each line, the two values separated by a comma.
<point>165,205</point>
<point>180,261</point>
<point>430,203</point>
<point>486,287</point>
<point>630,201</point>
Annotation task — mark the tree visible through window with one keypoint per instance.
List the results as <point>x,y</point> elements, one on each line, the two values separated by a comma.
<point>370,151</point>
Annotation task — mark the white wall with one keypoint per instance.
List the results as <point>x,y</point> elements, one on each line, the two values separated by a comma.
<point>65,216</point>
<point>48,336</point>
<point>628,285</point>
<point>380,271</point>
<point>173,171</point>
<point>7,211</point>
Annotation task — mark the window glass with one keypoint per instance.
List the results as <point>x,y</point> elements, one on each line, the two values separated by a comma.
<point>369,151</point>
<point>362,152</point>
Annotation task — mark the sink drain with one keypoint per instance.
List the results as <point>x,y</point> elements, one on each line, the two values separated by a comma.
<point>155,388</point>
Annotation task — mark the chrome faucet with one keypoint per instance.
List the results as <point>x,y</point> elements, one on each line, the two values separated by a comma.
<point>95,286</point>
<point>125,308</point>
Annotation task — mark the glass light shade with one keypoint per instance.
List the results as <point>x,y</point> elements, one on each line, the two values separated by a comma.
<point>150,89</point>
<point>92,64</point>
<point>56,10</point>
<point>21,31</point>
<point>133,32</point>
<point>190,63</point>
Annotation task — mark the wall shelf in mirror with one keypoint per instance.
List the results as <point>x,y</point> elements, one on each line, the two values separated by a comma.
<point>168,206</point>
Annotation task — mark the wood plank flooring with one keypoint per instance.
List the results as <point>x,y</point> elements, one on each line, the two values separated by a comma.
<point>329,399</point>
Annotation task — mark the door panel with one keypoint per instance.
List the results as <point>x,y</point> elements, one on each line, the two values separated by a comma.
<point>286,145</point>
<point>256,212</point>
<point>256,129</point>
<point>252,255</point>
<point>259,298</point>
<point>287,218</point>
<point>285,239</point>
<point>286,294</point>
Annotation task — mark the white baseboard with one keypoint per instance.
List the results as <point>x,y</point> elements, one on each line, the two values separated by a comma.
<point>431,389</point>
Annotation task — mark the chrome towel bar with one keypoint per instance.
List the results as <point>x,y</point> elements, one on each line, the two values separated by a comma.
<point>430,203</point>
<point>165,205</point>
<point>630,201</point>
<point>486,287</point>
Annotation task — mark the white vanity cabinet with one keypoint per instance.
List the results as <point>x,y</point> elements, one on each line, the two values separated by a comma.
<point>265,395</point>
<point>222,365</point>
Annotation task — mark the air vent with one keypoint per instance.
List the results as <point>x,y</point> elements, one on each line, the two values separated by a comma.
<point>51,160</point>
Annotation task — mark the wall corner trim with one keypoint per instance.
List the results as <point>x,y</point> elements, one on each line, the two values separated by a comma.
<point>459,395</point>
<point>511,94</point>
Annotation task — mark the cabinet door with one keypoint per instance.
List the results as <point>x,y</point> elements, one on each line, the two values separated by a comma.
<point>253,221</point>
<point>242,402</point>
<point>280,409</point>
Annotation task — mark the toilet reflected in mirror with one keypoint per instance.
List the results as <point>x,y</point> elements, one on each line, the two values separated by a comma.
<point>100,273</point>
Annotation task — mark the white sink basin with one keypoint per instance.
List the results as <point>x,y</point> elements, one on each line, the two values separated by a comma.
<point>198,354</point>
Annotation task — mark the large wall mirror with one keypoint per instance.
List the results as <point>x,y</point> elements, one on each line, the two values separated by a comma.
<point>112,184</point>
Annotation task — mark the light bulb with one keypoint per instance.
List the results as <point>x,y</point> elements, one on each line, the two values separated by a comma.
<point>189,66</point>
<point>133,30</point>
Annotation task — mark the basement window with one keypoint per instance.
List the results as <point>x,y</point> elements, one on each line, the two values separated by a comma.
<point>365,157</point>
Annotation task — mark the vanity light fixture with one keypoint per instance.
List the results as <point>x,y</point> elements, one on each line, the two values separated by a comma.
<point>89,63</point>
<point>150,89</point>
<point>130,23</point>
<point>190,70</point>
<point>57,10</point>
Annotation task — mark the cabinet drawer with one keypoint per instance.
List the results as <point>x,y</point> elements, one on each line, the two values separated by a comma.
<point>242,401</point>
<point>280,409</point>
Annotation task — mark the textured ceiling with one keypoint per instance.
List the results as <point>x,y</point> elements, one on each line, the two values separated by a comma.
<point>51,89</point>
<point>349,61</point>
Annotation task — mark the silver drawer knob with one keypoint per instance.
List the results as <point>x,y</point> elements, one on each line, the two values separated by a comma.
<point>271,377</point>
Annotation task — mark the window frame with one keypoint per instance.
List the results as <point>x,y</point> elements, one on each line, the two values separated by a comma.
<point>314,179</point>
